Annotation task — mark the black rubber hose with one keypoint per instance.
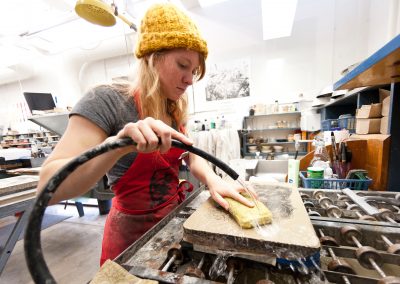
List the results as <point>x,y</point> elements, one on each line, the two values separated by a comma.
<point>33,249</point>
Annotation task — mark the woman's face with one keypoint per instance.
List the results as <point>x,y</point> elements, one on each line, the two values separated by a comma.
<point>176,71</point>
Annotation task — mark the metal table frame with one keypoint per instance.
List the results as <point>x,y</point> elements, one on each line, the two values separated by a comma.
<point>24,207</point>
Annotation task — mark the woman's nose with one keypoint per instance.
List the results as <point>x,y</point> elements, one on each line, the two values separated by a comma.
<point>188,79</point>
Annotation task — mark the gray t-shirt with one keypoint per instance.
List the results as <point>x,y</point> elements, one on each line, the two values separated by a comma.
<point>109,110</point>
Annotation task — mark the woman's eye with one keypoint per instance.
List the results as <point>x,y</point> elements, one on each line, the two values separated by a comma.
<point>183,66</point>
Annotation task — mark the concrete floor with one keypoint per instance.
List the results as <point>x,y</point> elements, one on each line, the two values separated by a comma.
<point>71,248</point>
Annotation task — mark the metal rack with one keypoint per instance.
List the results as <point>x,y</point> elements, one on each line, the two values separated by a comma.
<point>162,255</point>
<point>264,132</point>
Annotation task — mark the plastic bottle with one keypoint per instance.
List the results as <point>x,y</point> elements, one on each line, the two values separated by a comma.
<point>293,172</point>
<point>198,125</point>
<point>207,126</point>
<point>276,106</point>
<point>321,156</point>
<point>217,123</point>
<point>212,124</point>
<point>222,124</point>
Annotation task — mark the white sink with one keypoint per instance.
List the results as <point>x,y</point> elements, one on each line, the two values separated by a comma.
<point>270,170</point>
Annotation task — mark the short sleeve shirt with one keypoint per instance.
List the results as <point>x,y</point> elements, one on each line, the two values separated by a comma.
<point>110,110</point>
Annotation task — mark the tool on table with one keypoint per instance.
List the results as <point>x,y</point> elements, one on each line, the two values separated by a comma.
<point>360,201</point>
<point>338,157</point>
<point>334,150</point>
<point>341,160</point>
<point>357,174</point>
<point>355,208</point>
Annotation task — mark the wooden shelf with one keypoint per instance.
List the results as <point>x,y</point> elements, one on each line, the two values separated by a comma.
<point>39,138</point>
<point>273,114</point>
<point>380,137</point>
<point>276,153</point>
<point>380,152</point>
<point>274,129</point>
<point>380,68</point>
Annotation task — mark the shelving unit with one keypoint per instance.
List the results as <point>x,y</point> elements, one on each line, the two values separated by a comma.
<point>26,140</point>
<point>270,130</point>
<point>351,101</point>
<point>380,70</point>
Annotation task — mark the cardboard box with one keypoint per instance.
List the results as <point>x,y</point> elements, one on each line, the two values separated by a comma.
<point>385,125</point>
<point>385,106</point>
<point>383,94</point>
<point>369,111</point>
<point>368,125</point>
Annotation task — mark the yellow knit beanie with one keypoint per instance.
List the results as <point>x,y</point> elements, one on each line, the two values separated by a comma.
<point>164,26</point>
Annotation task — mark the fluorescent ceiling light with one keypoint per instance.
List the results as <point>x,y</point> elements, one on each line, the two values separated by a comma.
<point>208,3</point>
<point>278,18</point>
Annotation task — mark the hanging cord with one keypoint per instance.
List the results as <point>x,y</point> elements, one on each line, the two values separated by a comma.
<point>33,250</point>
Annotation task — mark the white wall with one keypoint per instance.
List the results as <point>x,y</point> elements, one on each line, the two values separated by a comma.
<point>327,37</point>
<point>65,75</point>
<point>55,74</point>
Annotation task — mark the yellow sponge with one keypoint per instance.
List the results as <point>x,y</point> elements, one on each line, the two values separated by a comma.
<point>248,217</point>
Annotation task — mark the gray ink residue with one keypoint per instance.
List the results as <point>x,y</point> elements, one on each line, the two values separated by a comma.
<point>276,198</point>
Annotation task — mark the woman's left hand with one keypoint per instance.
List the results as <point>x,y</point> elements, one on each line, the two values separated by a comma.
<point>220,188</point>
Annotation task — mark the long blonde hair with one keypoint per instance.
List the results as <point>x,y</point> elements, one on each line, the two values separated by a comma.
<point>147,86</point>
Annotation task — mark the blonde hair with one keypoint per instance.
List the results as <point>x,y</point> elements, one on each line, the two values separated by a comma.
<point>151,102</point>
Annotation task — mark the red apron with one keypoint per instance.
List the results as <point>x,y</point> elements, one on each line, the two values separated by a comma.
<point>146,193</point>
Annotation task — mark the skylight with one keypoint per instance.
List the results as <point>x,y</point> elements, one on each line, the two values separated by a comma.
<point>208,3</point>
<point>278,18</point>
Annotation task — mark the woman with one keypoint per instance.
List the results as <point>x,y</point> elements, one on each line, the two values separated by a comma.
<point>144,178</point>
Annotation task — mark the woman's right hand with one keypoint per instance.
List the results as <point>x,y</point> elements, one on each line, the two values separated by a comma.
<point>151,135</point>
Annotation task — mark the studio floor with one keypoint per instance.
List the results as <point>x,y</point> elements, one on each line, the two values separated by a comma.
<point>71,248</point>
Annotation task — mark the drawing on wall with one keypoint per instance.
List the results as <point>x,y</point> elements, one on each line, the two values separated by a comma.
<point>228,80</point>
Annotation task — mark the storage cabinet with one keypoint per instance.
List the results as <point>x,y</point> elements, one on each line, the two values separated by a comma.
<point>271,134</point>
<point>379,70</point>
<point>331,112</point>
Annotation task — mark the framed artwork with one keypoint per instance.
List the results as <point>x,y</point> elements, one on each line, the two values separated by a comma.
<point>225,83</point>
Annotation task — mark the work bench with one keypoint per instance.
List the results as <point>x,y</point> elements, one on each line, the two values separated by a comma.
<point>16,197</point>
<point>150,256</point>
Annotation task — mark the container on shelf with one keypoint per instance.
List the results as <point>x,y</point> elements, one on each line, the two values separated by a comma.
<point>330,125</point>
<point>315,174</point>
<point>347,122</point>
<point>355,184</point>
